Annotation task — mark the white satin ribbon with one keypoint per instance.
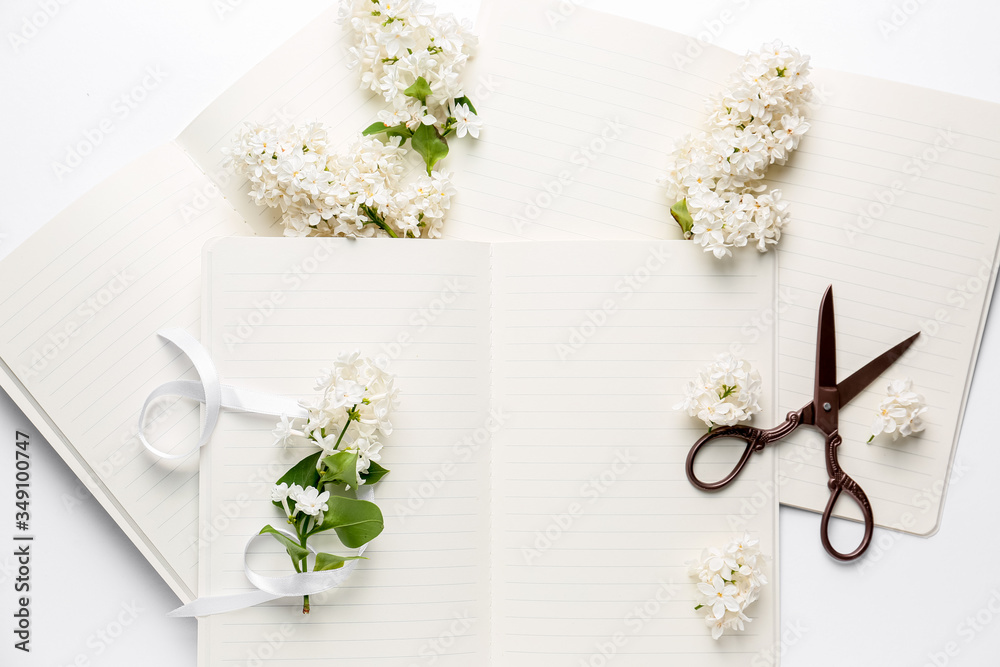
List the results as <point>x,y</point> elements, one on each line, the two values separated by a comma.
<point>216,396</point>
<point>212,393</point>
<point>273,588</point>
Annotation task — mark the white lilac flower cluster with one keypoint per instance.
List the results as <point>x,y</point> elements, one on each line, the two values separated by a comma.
<point>323,192</point>
<point>398,43</point>
<point>900,412</point>
<point>714,181</point>
<point>726,392</point>
<point>729,581</point>
<point>351,411</point>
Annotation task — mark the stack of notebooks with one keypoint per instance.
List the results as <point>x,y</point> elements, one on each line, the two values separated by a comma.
<point>502,433</point>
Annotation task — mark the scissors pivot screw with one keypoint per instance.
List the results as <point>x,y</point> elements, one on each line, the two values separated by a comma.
<point>827,407</point>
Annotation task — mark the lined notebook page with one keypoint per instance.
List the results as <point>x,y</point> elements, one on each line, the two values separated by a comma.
<point>594,518</point>
<point>901,217</point>
<point>576,135</point>
<point>304,80</point>
<point>83,299</point>
<point>423,595</point>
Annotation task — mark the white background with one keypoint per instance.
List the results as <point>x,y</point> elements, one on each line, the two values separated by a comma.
<point>97,602</point>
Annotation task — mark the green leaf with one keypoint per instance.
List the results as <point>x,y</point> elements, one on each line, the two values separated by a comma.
<point>430,144</point>
<point>680,213</point>
<point>294,549</point>
<point>375,128</point>
<point>374,474</point>
<point>303,473</point>
<point>467,102</point>
<point>391,130</point>
<point>325,561</point>
<point>342,468</point>
<point>419,90</point>
<point>357,522</point>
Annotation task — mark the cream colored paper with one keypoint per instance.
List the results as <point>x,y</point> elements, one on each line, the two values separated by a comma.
<point>537,510</point>
<point>894,202</point>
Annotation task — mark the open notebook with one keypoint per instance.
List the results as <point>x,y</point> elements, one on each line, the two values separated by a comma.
<point>84,297</point>
<point>537,511</point>
<point>894,195</point>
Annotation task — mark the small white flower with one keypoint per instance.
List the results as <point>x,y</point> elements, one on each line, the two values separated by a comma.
<point>725,393</point>
<point>346,392</point>
<point>294,491</point>
<point>283,432</point>
<point>279,494</point>
<point>466,121</point>
<point>368,451</point>
<point>900,412</point>
<point>721,595</point>
<point>310,501</point>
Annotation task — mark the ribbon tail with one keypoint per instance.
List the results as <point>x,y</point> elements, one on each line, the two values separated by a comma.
<point>222,604</point>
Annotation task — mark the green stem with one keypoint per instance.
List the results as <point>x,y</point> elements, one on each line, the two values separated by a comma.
<point>304,568</point>
<point>303,530</point>
<point>341,437</point>
<point>377,220</point>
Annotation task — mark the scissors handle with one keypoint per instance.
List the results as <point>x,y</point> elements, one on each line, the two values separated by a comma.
<point>841,482</point>
<point>755,438</point>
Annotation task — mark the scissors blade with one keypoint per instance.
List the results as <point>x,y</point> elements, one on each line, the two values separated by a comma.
<point>826,344</point>
<point>867,374</point>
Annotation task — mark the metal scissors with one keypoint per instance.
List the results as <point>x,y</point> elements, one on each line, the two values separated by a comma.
<point>822,412</point>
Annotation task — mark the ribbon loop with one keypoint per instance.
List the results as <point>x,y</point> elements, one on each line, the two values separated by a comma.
<point>210,391</point>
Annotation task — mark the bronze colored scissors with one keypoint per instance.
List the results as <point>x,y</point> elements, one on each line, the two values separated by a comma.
<point>822,412</point>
